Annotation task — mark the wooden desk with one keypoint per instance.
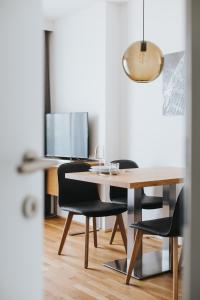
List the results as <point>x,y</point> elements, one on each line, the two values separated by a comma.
<point>153,263</point>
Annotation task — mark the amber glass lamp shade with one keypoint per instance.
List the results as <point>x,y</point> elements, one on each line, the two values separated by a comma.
<point>143,61</point>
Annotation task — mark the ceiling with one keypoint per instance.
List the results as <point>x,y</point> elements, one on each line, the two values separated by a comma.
<point>54,9</point>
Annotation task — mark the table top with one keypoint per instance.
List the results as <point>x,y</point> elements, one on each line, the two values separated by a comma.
<point>134,178</point>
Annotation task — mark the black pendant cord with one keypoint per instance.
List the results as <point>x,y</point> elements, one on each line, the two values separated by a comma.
<point>143,20</point>
<point>143,43</point>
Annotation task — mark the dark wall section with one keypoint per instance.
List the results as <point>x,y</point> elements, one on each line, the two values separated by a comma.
<point>49,201</point>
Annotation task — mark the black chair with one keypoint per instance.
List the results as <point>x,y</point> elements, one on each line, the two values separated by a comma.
<point>82,198</point>
<point>119,195</point>
<point>165,227</point>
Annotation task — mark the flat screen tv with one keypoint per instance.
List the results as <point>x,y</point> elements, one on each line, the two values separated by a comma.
<point>67,135</point>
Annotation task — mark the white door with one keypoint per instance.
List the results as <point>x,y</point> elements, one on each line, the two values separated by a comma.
<point>20,130</point>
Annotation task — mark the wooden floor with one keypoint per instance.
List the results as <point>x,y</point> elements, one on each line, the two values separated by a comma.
<point>65,278</point>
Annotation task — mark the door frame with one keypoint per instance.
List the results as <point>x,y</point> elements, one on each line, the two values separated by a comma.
<point>191,286</point>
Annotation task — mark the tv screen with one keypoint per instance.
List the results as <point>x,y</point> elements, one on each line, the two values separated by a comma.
<point>67,135</point>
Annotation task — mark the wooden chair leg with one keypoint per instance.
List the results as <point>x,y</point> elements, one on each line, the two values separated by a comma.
<point>171,252</point>
<point>136,248</point>
<point>180,262</point>
<point>122,230</point>
<point>114,231</point>
<point>87,241</point>
<point>65,231</point>
<point>95,231</point>
<point>175,268</point>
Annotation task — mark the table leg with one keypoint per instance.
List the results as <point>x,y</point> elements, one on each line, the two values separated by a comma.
<point>134,216</point>
<point>169,196</point>
<point>152,263</point>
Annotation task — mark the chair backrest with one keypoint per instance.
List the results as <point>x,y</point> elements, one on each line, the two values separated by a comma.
<point>74,191</point>
<point>178,216</point>
<point>121,193</point>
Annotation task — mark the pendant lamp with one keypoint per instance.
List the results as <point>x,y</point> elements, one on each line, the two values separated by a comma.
<point>143,61</point>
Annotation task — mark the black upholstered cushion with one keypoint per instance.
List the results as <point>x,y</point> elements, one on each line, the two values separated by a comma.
<point>72,191</point>
<point>96,208</point>
<point>158,227</point>
<point>152,202</point>
<point>82,197</point>
<point>171,226</point>
<point>148,202</point>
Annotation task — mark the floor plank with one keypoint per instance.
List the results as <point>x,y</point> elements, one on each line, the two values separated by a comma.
<point>66,279</point>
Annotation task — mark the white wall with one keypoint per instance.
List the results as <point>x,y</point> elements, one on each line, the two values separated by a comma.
<point>114,33</point>
<point>87,75</point>
<point>147,136</point>
<point>48,25</point>
<point>143,133</point>
<point>78,62</point>
<point>78,67</point>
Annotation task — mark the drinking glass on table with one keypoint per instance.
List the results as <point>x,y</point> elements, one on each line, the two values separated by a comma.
<point>99,154</point>
<point>114,168</point>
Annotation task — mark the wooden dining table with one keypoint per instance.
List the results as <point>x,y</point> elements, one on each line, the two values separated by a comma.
<point>151,263</point>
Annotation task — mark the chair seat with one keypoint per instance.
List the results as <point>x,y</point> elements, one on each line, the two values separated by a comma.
<point>148,202</point>
<point>95,208</point>
<point>152,202</point>
<point>156,227</point>
<point>120,200</point>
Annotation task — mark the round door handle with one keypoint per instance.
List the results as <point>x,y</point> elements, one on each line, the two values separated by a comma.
<point>30,206</point>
